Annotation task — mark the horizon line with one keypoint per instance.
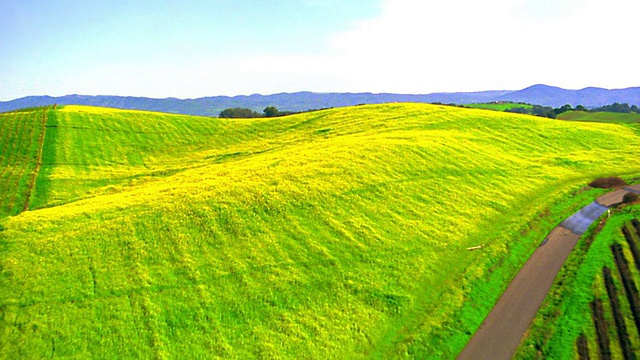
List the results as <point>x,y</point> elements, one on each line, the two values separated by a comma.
<point>323,92</point>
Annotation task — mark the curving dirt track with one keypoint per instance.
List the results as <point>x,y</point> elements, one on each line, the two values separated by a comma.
<point>500,334</point>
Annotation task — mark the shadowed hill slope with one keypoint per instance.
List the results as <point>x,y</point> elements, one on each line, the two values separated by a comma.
<point>334,233</point>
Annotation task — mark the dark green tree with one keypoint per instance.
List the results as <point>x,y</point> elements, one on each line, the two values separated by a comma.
<point>544,111</point>
<point>562,109</point>
<point>519,110</point>
<point>239,113</point>
<point>615,107</point>
<point>270,111</point>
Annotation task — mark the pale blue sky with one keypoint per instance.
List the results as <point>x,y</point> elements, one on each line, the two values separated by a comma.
<point>197,48</point>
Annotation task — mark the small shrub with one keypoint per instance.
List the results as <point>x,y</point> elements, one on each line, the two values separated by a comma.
<point>608,182</point>
<point>629,198</point>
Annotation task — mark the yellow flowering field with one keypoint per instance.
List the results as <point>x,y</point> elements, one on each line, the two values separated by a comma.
<point>339,233</point>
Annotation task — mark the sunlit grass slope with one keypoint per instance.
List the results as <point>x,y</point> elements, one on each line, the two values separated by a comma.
<point>20,134</point>
<point>92,151</point>
<point>340,233</point>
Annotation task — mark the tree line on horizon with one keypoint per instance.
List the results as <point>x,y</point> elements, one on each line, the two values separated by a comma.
<point>547,111</point>
<point>269,111</point>
<point>537,110</point>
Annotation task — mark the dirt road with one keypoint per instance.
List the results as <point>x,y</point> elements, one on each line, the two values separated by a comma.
<point>502,330</point>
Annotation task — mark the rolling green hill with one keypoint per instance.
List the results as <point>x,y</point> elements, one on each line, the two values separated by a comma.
<point>601,116</point>
<point>339,233</point>
<point>499,106</point>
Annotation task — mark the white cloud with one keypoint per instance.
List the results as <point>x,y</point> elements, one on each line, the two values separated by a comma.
<point>423,46</point>
<point>545,10</point>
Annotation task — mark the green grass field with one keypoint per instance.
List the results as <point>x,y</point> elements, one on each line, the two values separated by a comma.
<point>602,116</point>
<point>566,314</point>
<point>498,106</point>
<point>20,134</point>
<point>333,234</point>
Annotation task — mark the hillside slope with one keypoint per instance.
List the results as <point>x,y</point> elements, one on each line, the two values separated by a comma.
<point>90,151</point>
<point>339,233</point>
<point>20,150</point>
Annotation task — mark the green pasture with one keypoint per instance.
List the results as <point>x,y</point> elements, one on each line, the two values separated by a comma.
<point>19,150</point>
<point>601,116</point>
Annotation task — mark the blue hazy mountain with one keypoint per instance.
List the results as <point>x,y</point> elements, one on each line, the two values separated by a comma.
<point>301,101</point>
<point>589,97</point>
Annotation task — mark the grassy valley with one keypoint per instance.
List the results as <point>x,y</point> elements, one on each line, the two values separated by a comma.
<point>338,233</point>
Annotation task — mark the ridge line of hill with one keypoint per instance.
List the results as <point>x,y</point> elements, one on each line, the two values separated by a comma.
<point>302,101</point>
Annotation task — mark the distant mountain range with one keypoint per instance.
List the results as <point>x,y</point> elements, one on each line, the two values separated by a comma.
<point>300,101</point>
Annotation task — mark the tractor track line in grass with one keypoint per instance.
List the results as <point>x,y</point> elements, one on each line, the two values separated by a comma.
<point>502,330</point>
<point>16,130</point>
<point>34,176</point>
<point>113,130</point>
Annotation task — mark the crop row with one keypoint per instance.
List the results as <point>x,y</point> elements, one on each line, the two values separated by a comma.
<point>601,329</point>
<point>630,289</point>
<point>621,328</point>
<point>583,347</point>
<point>627,281</point>
<point>17,137</point>
<point>632,246</point>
